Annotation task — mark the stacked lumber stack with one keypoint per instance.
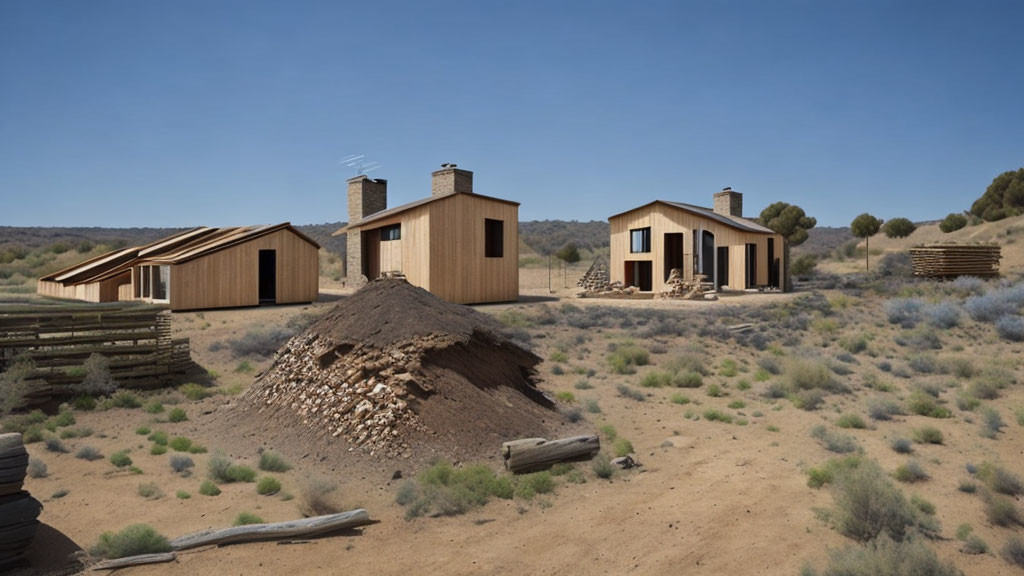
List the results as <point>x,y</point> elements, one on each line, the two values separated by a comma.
<point>18,509</point>
<point>950,260</point>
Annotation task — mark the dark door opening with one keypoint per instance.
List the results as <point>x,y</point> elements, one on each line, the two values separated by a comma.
<point>673,252</point>
<point>773,265</point>
<point>268,276</point>
<point>640,273</point>
<point>751,280</point>
<point>707,255</point>
<point>723,268</point>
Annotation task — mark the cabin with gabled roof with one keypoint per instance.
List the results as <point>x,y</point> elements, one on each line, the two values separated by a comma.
<point>459,245</point>
<point>198,269</point>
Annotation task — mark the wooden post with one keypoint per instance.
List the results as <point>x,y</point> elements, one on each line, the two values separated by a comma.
<point>254,532</point>
<point>530,454</point>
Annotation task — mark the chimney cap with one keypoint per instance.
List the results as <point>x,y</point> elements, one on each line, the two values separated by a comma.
<point>727,189</point>
<point>449,165</point>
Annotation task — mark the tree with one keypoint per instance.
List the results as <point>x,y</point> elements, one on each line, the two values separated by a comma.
<point>865,226</point>
<point>953,222</point>
<point>1003,197</point>
<point>568,253</point>
<point>788,220</point>
<point>899,228</point>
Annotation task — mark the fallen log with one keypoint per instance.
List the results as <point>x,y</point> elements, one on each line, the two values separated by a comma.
<point>530,454</point>
<point>140,560</point>
<point>274,531</point>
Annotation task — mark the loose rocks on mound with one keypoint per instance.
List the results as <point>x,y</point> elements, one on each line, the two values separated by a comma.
<point>18,510</point>
<point>393,368</point>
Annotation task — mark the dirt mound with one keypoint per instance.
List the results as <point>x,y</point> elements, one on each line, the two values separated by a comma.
<point>396,371</point>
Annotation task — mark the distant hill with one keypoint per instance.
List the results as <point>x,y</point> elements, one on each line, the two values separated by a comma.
<point>547,236</point>
<point>823,240</point>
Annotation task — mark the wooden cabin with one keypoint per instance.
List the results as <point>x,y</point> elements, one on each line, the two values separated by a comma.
<point>457,244</point>
<point>198,269</point>
<point>732,252</point>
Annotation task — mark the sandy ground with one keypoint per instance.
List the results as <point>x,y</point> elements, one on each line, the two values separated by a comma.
<point>710,498</point>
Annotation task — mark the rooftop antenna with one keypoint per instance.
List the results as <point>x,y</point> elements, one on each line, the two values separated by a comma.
<point>359,163</point>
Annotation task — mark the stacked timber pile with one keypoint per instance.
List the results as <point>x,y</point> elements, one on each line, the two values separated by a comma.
<point>18,509</point>
<point>679,288</point>
<point>394,371</point>
<point>949,260</point>
<point>597,277</point>
<point>613,290</point>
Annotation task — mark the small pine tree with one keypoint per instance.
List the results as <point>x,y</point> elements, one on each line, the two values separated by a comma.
<point>865,226</point>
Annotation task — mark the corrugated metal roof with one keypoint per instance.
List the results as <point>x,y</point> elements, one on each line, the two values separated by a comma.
<point>414,204</point>
<point>733,221</point>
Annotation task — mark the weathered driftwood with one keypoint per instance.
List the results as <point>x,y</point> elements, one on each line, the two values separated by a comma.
<point>139,560</point>
<point>530,454</point>
<point>278,530</point>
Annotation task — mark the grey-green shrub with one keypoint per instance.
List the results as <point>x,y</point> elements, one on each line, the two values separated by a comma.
<point>886,557</point>
<point>868,504</point>
<point>273,462</point>
<point>131,541</point>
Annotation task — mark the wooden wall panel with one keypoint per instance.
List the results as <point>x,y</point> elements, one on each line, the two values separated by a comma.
<point>413,250</point>
<point>230,277</point>
<point>459,271</point>
<point>664,219</point>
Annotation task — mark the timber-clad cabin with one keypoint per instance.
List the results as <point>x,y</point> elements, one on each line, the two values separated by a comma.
<point>198,269</point>
<point>732,252</point>
<point>459,245</point>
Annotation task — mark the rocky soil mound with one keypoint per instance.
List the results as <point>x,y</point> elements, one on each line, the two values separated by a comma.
<point>396,371</point>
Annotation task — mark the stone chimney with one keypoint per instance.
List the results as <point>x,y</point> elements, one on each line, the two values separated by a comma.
<point>366,196</point>
<point>450,180</point>
<point>729,203</point>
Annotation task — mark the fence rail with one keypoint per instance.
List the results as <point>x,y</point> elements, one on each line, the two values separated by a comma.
<point>136,340</point>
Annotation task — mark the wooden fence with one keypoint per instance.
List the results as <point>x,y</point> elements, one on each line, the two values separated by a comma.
<point>951,260</point>
<point>135,339</point>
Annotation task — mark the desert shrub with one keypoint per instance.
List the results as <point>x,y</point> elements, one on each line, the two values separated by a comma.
<point>153,407</point>
<point>974,545</point>
<point>952,222</point>
<point>447,491</point>
<point>832,441</point>
<point>715,391</point>
<point>182,495</point>
<point>627,357</point>
<point>247,519</point>
<point>967,285</point>
<point>805,374</point>
<point>603,466</point>
<point>630,392</point>
<point>83,403</point>
<point>884,556</point>
<point>33,434</point>
<point>967,487</point>
<point>911,471</point>
<point>88,453</point>
<point>591,405</point>
<point>925,506</point>
<point>14,385</point>
<point>991,423</point>
<point>688,380</point>
<point>923,363</point>
<point>928,435</point>
<point>868,504</point>
<point>808,399</point>
<point>262,342</point>
<point>273,462</point>
<point>131,541</point>
<point>36,468</point>
<point>853,345</point>
<point>181,463</point>
<point>194,391</point>
<point>770,364</point>
<point>123,399</point>
<point>883,409</point>
<point>1013,551</point>
<point>180,444</point>
<point>995,304</point>
<point>526,486</point>
<point>943,315</point>
<point>150,491</point>
<point>622,447</point>
<point>53,444</point>
<point>97,380</point>
<point>158,449</point>
<point>1010,328</point>
<point>1001,510</point>
<point>901,446</point>
<point>851,421</point>
<point>267,486</point>
<point>1000,479</point>
<point>566,396</point>
<point>121,459</point>
<point>316,498</point>
<point>904,311</point>
<point>827,472</point>
<point>895,264</point>
<point>923,404</point>
<point>239,473</point>
<point>582,384</point>
<point>143,430</point>
<point>177,415</point>
<point>803,265</point>
<point>208,488</point>
<point>714,415</point>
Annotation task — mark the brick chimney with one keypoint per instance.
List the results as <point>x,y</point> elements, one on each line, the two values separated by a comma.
<point>729,203</point>
<point>366,196</point>
<point>450,180</point>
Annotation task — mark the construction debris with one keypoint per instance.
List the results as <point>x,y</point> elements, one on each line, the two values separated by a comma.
<point>679,288</point>
<point>951,260</point>
<point>613,290</point>
<point>597,278</point>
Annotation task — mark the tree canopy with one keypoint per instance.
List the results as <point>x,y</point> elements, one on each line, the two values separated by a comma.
<point>865,226</point>
<point>899,228</point>
<point>568,253</point>
<point>788,220</point>
<point>953,222</point>
<point>1004,197</point>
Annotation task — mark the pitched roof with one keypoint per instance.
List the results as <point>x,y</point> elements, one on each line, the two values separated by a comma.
<point>175,249</point>
<point>732,221</point>
<point>376,216</point>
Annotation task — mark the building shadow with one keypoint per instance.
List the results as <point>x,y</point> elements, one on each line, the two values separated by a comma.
<point>51,554</point>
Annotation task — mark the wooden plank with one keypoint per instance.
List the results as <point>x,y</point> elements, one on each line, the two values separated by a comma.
<point>139,560</point>
<point>532,454</point>
<point>305,527</point>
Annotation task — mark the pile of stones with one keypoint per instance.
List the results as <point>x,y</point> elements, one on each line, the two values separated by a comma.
<point>19,511</point>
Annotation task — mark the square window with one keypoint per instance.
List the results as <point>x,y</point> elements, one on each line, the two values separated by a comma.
<point>393,232</point>
<point>640,240</point>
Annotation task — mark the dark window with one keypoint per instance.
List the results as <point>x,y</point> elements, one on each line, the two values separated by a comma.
<point>391,233</point>
<point>494,238</point>
<point>640,240</point>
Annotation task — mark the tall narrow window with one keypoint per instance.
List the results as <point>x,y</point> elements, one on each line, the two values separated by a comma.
<point>494,238</point>
<point>144,272</point>
<point>389,233</point>
<point>161,280</point>
<point>640,240</point>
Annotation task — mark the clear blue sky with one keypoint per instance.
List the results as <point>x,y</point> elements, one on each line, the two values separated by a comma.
<point>178,113</point>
